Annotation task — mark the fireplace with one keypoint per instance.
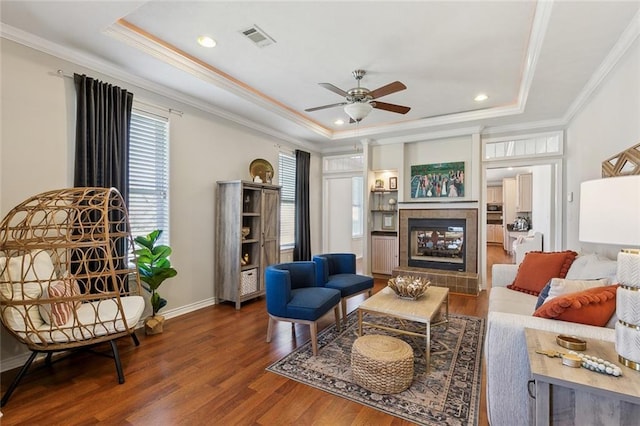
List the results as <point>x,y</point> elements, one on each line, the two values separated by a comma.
<point>437,243</point>
<point>440,245</point>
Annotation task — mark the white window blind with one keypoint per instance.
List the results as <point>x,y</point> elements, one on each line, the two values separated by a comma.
<point>287,180</point>
<point>149,175</point>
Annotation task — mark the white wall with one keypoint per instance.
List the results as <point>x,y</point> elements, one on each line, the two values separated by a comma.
<point>387,157</point>
<point>608,124</point>
<point>541,216</point>
<point>38,133</point>
<point>449,150</point>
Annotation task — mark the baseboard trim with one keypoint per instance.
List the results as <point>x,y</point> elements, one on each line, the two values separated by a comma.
<point>19,360</point>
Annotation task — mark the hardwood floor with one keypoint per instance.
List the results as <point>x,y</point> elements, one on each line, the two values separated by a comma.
<point>208,367</point>
<point>496,254</point>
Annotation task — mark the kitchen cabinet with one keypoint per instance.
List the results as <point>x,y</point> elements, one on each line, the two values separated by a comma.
<point>524,189</point>
<point>247,238</point>
<point>494,195</point>
<point>495,234</point>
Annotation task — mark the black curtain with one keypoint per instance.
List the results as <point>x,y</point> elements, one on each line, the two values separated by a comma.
<point>102,135</point>
<point>103,119</point>
<point>302,243</point>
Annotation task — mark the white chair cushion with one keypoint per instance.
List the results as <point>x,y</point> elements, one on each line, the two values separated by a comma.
<point>96,318</point>
<point>24,278</point>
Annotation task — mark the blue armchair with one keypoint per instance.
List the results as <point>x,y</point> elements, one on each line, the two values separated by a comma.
<point>338,271</point>
<point>294,296</point>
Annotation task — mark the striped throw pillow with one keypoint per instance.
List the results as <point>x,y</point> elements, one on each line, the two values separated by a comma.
<point>59,313</point>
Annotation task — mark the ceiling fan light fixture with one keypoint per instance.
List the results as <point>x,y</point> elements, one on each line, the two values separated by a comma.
<point>358,110</point>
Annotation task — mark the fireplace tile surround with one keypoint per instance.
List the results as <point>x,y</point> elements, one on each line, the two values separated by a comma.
<point>466,282</point>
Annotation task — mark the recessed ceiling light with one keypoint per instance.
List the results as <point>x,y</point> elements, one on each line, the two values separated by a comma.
<point>481,97</point>
<point>339,122</point>
<point>206,41</point>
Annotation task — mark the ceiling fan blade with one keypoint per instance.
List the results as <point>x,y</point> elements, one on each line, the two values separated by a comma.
<point>334,89</point>
<point>390,107</point>
<point>325,106</point>
<point>390,88</point>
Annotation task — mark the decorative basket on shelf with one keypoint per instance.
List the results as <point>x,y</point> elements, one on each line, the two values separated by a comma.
<point>409,287</point>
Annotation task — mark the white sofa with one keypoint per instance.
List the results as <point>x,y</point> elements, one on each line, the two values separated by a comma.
<point>505,350</point>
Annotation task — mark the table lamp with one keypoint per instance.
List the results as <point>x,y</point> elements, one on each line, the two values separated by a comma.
<point>610,214</point>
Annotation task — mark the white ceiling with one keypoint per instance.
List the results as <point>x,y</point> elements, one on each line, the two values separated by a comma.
<point>535,60</point>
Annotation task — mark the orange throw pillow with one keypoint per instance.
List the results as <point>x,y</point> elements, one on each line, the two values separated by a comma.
<point>538,267</point>
<point>593,306</point>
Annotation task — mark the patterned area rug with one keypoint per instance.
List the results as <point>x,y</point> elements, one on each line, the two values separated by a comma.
<point>449,394</point>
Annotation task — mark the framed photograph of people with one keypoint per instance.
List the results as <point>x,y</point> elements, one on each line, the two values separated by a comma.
<point>437,180</point>
<point>393,182</point>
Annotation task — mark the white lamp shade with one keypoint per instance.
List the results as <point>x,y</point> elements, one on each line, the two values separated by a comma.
<point>358,110</point>
<point>610,211</point>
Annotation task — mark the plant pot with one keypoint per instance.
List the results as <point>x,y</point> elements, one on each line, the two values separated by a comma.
<point>153,324</point>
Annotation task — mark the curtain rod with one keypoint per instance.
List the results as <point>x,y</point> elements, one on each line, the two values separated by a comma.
<point>62,74</point>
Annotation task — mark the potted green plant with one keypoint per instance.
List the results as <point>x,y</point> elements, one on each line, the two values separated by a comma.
<point>154,267</point>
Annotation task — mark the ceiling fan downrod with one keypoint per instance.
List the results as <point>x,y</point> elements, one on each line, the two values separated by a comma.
<point>358,94</point>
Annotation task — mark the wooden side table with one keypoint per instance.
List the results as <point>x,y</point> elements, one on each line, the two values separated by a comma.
<point>566,395</point>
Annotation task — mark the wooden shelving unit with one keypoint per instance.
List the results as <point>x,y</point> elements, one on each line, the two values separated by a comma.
<point>240,260</point>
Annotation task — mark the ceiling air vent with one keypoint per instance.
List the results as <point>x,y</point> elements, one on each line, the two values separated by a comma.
<point>257,36</point>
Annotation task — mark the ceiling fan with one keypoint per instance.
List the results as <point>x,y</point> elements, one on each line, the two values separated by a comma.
<point>359,101</point>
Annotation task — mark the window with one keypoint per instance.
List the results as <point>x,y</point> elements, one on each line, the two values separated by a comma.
<point>287,180</point>
<point>356,206</point>
<point>149,175</point>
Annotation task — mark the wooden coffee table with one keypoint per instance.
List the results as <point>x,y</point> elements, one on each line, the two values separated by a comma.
<point>425,310</point>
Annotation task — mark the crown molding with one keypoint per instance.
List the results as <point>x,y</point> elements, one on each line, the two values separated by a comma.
<point>536,39</point>
<point>147,43</point>
<point>90,62</point>
<point>141,40</point>
<point>150,44</point>
<point>426,123</point>
<point>623,44</point>
<point>551,125</point>
<point>421,137</point>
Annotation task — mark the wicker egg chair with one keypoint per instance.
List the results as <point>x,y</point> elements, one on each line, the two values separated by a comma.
<point>66,277</point>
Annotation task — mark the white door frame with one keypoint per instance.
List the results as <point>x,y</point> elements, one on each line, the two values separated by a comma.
<point>557,204</point>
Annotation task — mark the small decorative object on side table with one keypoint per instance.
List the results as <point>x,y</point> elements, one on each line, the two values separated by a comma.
<point>580,396</point>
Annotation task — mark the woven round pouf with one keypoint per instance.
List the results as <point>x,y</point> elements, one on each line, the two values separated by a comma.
<point>382,364</point>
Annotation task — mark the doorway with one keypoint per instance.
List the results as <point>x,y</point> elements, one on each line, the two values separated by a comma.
<point>546,214</point>
<point>343,214</point>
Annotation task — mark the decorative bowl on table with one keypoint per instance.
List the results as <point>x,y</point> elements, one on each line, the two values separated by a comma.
<point>409,287</point>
